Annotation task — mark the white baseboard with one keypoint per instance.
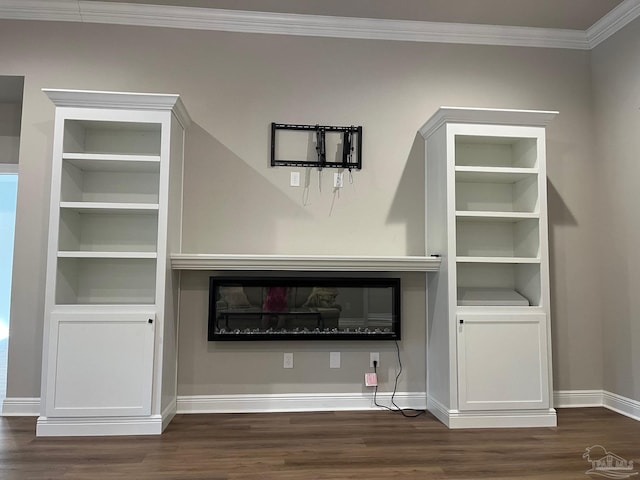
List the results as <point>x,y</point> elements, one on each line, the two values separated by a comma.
<point>597,398</point>
<point>578,398</point>
<point>625,406</point>
<point>438,410</point>
<point>21,407</point>
<point>296,402</point>
<point>168,413</point>
<point>492,419</point>
<point>92,426</point>
<point>30,407</point>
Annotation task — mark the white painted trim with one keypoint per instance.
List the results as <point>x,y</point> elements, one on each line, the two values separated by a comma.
<point>328,26</point>
<point>21,407</point>
<point>186,261</point>
<point>8,168</point>
<point>168,413</point>
<point>578,398</point>
<point>500,116</point>
<point>127,100</point>
<point>51,10</point>
<point>318,25</point>
<point>310,402</point>
<point>597,398</point>
<point>492,419</point>
<point>97,426</point>
<point>612,22</point>
<point>438,410</point>
<point>291,24</point>
<point>295,402</point>
<point>503,419</point>
<point>623,405</point>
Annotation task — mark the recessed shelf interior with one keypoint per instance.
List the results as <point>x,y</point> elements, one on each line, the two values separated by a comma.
<point>521,278</point>
<point>473,297</point>
<point>106,185</point>
<point>98,281</point>
<point>497,193</point>
<point>85,136</point>
<point>109,232</point>
<point>485,237</point>
<point>491,151</point>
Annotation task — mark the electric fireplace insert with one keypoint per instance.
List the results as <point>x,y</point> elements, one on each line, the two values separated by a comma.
<point>303,308</point>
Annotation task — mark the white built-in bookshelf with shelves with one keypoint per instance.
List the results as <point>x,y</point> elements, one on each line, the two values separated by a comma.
<point>487,219</point>
<point>114,177</point>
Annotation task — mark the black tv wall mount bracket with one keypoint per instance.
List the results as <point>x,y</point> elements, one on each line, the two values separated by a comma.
<point>351,140</point>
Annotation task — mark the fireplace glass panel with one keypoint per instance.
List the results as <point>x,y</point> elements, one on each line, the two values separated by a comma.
<point>270,308</point>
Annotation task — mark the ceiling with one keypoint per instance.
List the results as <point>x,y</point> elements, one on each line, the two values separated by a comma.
<point>562,14</point>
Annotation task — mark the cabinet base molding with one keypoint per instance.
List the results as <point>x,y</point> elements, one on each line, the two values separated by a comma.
<point>99,426</point>
<point>493,419</point>
<point>168,413</point>
<point>295,402</point>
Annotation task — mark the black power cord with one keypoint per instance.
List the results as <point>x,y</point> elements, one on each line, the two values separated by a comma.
<point>403,411</point>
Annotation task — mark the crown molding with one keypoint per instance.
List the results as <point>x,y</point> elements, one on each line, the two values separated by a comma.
<point>612,22</point>
<point>318,25</point>
<point>144,101</point>
<point>532,118</point>
<point>327,26</point>
<point>53,10</point>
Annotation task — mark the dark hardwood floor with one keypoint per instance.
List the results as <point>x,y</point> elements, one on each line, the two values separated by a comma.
<point>337,445</point>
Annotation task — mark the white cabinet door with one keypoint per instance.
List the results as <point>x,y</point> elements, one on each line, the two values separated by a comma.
<point>502,361</point>
<point>100,364</point>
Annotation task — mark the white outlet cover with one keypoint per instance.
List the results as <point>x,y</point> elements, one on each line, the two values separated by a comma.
<point>374,356</point>
<point>334,360</point>
<point>288,360</point>
<point>337,180</point>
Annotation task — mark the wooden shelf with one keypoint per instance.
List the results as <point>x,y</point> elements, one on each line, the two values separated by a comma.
<point>326,263</point>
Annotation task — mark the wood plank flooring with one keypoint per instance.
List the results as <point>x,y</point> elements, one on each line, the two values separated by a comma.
<point>335,445</point>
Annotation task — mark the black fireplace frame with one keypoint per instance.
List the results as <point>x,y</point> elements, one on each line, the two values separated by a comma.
<point>394,332</point>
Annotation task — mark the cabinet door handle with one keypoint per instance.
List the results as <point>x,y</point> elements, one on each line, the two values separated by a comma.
<point>461,321</point>
<point>151,320</point>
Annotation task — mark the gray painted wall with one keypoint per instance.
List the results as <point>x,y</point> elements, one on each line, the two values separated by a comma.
<point>9,132</point>
<point>234,85</point>
<point>616,82</point>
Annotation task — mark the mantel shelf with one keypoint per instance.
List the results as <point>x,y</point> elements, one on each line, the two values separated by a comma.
<point>320,263</point>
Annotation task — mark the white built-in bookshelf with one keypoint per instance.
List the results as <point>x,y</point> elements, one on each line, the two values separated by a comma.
<point>488,305</point>
<point>110,326</point>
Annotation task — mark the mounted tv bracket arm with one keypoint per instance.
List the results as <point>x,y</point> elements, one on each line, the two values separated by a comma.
<point>349,134</point>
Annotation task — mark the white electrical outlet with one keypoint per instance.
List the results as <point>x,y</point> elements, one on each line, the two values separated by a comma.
<point>374,356</point>
<point>288,360</point>
<point>337,180</point>
<point>334,360</point>
<point>295,179</point>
